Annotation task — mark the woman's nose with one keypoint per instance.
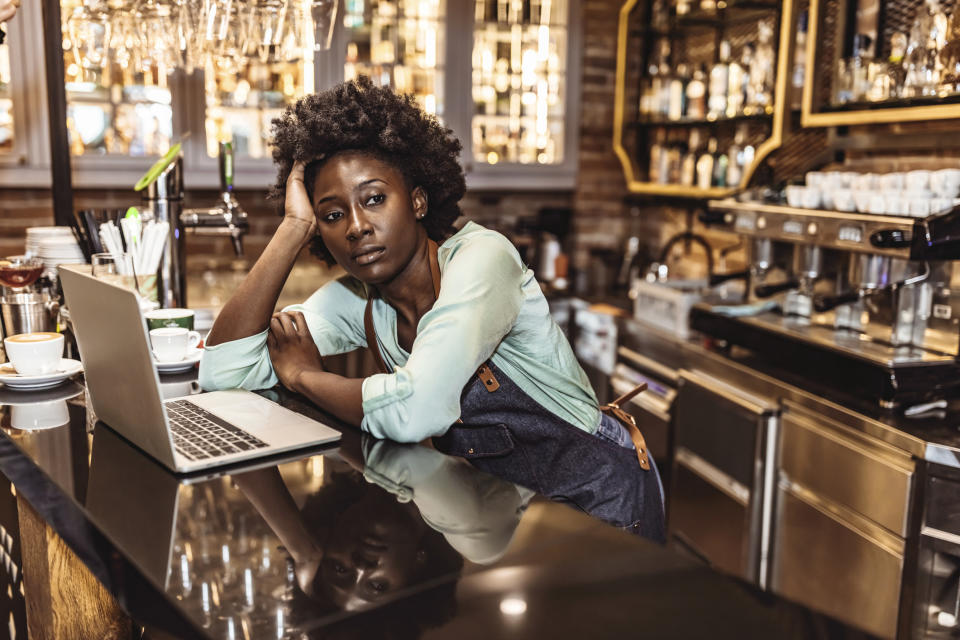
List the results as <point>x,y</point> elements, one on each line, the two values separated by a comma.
<point>359,224</point>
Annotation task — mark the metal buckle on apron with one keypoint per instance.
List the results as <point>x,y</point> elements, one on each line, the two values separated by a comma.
<point>630,423</point>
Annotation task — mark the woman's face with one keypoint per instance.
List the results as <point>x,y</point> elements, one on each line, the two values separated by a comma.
<point>367,215</point>
<point>372,552</point>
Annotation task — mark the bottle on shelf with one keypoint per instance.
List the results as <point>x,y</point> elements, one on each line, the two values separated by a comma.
<point>688,165</point>
<point>762,70</point>
<point>697,94</point>
<point>950,57</point>
<point>798,72</point>
<point>656,159</point>
<point>860,64</point>
<point>720,164</point>
<point>739,156</point>
<point>719,75</point>
<point>705,165</point>
<point>895,68</point>
<point>738,80</point>
<point>677,98</point>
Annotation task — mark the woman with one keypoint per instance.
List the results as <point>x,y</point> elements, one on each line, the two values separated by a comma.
<point>458,323</point>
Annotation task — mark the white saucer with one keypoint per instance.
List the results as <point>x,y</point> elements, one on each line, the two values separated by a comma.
<point>14,380</point>
<point>179,365</point>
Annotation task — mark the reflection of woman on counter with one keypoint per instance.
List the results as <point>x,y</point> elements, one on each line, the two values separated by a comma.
<point>356,543</point>
<point>461,330</point>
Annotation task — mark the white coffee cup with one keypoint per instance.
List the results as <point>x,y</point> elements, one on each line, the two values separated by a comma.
<point>811,198</point>
<point>815,178</point>
<point>945,182</point>
<point>172,344</point>
<point>918,180</point>
<point>892,181</point>
<point>861,198</point>
<point>794,193</point>
<point>35,353</point>
<point>843,200</point>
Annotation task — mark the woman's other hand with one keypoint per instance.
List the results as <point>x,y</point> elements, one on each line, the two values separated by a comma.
<point>292,349</point>
<point>297,207</point>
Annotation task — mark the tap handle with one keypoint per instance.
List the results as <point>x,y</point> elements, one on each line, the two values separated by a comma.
<point>226,167</point>
<point>767,290</point>
<point>720,278</point>
<point>827,303</point>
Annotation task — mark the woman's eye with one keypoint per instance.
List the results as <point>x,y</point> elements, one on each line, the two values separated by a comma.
<point>379,587</point>
<point>332,216</point>
<point>375,199</point>
<point>339,568</point>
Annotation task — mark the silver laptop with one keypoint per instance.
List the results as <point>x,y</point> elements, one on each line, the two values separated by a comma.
<point>185,434</point>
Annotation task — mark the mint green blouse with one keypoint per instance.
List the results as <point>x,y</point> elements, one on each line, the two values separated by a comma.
<point>490,306</point>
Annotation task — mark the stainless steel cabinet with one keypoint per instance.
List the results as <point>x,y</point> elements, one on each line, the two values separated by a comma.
<point>721,505</point>
<point>842,513</point>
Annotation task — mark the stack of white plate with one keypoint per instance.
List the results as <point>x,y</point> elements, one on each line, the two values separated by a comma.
<point>54,245</point>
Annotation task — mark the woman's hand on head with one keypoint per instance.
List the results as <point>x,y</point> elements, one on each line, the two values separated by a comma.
<point>292,349</point>
<point>297,208</point>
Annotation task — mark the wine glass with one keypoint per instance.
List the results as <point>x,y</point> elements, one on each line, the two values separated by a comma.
<point>20,271</point>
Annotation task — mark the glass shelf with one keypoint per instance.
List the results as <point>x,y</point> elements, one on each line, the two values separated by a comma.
<point>695,122</point>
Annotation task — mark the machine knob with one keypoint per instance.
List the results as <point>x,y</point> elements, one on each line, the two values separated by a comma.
<point>890,239</point>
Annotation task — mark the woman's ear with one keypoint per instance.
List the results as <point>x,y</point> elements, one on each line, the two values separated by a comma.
<point>419,199</point>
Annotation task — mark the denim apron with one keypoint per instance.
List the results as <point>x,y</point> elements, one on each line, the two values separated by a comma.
<point>505,432</point>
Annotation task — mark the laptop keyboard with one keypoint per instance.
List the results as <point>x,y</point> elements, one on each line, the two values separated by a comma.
<point>198,434</point>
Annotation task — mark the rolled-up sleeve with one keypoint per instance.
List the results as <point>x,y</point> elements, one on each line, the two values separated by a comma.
<point>480,299</point>
<point>334,315</point>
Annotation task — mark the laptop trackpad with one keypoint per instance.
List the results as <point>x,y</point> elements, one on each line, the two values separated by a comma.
<point>261,417</point>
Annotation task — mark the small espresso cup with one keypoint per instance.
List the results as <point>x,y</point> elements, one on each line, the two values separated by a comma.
<point>172,344</point>
<point>162,318</point>
<point>34,353</point>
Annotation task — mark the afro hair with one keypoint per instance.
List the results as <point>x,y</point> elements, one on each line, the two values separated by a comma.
<point>359,116</point>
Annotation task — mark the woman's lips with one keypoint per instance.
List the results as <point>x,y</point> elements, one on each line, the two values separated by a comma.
<point>369,256</point>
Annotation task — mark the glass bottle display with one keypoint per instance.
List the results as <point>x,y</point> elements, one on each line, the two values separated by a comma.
<point>519,81</point>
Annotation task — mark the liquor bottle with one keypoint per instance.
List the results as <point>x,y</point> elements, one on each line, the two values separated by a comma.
<point>677,98</point>
<point>656,152</point>
<point>688,165</point>
<point>738,79</point>
<point>739,157</point>
<point>720,164</point>
<point>950,57</point>
<point>895,70</point>
<point>662,92</point>
<point>799,61</point>
<point>697,94</point>
<point>719,73</point>
<point>859,66</point>
<point>705,165</point>
<point>763,69</point>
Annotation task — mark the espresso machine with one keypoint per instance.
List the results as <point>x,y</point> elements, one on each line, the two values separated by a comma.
<point>865,301</point>
<point>163,200</point>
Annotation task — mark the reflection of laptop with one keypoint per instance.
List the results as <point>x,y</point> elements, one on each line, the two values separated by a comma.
<point>185,434</point>
<point>135,501</point>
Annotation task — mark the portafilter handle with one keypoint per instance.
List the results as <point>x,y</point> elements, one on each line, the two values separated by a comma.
<point>767,290</point>
<point>823,304</point>
<point>720,278</point>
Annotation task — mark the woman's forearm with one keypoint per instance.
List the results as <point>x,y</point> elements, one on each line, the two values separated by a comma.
<point>343,397</point>
<point>249,310</point>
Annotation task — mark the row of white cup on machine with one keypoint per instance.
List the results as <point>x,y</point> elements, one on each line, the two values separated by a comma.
<point>903,193</point>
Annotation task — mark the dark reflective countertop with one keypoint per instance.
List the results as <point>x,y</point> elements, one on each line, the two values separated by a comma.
<point>367,539</point>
